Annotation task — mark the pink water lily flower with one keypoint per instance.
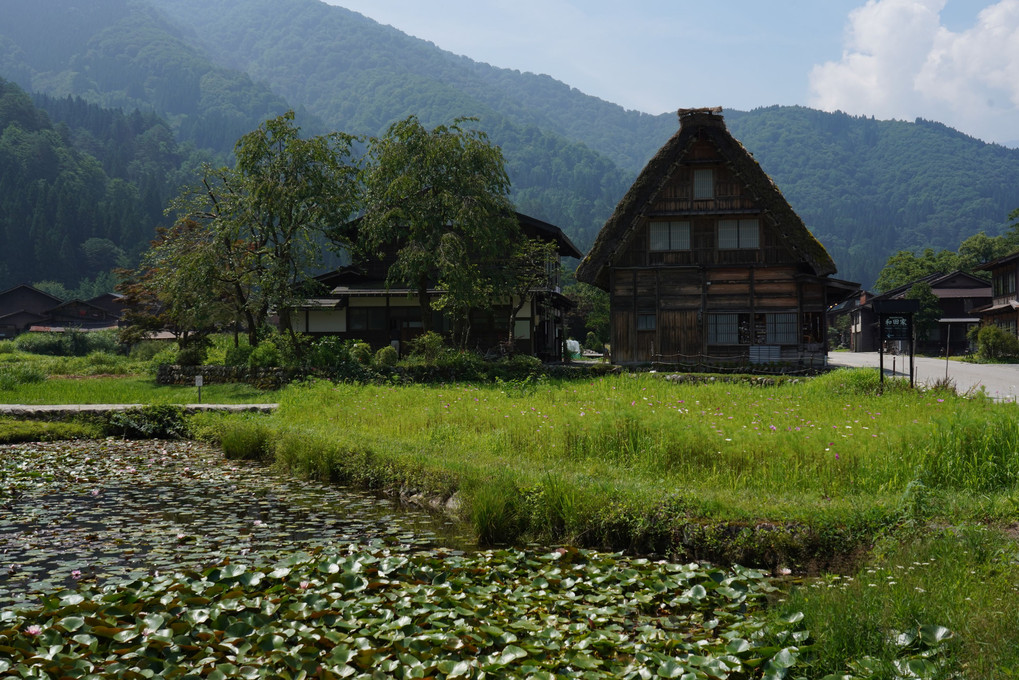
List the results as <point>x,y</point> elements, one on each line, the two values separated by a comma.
<point>33,630</point>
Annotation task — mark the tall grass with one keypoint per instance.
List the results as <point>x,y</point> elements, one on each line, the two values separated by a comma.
<point>837,449</point>
<point>963,579</point>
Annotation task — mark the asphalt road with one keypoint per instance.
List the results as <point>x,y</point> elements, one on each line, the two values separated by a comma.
<point>1000,381</point>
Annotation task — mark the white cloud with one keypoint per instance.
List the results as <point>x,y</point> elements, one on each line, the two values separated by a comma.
<point>899,61</point>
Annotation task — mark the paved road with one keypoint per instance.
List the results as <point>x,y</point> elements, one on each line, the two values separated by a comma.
<point>1000,381</point>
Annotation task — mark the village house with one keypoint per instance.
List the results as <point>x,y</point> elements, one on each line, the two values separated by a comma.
<point>1003,308</point>
<point>24,308</point>
<point>359,305</point>
<point>706,264</point>
<point>960,296</point>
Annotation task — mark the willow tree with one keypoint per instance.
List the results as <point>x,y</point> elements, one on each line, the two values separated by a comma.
<point>263,222</point>
<point>438,198</point>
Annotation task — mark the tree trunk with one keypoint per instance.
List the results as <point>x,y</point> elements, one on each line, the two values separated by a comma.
<point>425,305</point>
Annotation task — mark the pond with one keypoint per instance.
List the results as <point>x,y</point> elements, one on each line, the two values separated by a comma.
<point>93,512</point>
<point>156,559</point>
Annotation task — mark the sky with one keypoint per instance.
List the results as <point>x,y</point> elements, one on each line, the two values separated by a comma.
<point>952,61</point>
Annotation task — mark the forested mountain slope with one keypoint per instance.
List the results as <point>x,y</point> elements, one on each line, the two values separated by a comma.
<point>214,70</point>
<point>80,191</point>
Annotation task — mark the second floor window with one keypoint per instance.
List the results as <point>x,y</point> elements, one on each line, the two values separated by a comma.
<point>739,234</point>
<point>703,184</point>
<point>1004,283</point>
<point>670,235</point>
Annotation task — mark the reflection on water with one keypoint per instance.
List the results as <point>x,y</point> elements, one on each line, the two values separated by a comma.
<point>96,511</point>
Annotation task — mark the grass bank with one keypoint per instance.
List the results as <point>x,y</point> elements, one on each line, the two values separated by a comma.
<point>799,474</point>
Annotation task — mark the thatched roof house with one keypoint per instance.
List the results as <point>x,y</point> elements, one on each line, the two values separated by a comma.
<point>704,259</point>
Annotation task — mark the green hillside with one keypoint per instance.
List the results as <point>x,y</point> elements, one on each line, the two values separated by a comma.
<point>81,191</point>
<point>214,70</point>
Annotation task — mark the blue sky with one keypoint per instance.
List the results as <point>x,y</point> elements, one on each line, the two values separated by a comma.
<point>954,61</point>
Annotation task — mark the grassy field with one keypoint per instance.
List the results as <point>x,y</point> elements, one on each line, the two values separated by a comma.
<point>832,447</point>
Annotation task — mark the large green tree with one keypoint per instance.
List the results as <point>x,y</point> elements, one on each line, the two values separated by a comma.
<point>439,199</point>
<point>263,222</point>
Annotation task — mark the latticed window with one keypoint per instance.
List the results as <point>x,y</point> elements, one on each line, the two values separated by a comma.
<point>739,234</point>
<point>723,329</point>
<point>782,328</point>
<point>703,184</point>
<point>670,236</point>
<point>1004,283</point>
<point>646,322</point>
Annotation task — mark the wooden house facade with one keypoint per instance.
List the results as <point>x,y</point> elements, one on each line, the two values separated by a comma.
<point>706,263</point>
<point>360,305</point>
<point>1003,310</point>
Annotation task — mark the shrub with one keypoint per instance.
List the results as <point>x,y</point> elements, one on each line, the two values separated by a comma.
<point>265,355</point>
<point>328,352</point>
<point>167,355</point>
<point>361,352</point>
<point>428,346</point>
<point>149,422</point>
<point>40,343</point>
<point>146,350</point>
<point>386,356</point>
<point>7,347</point>
<point>192,355</point>
<point>238,356</point>
<point>995,343</point>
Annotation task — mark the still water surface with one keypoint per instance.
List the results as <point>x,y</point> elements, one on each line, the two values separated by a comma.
<point>102,511</point>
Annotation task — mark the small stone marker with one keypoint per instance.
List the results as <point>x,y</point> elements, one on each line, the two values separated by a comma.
<point>198,384</point>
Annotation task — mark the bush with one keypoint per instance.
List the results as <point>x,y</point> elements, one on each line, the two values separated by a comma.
<point>146,350</point>
<point>238,356</point>
<point>70,343</point>
<point>40,343</point>
<point>7,347</point>
<point>428,346</point>
<point>327,353</point>
<point>149,422</point>
<point>994,343</point>
<point>386,356</point>
<point>192,355</point>
<point>265,355</point>
<point>167,355</point>
<point>361,352</point>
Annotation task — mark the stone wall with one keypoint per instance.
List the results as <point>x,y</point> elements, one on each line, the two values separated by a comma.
<point>171,374</point>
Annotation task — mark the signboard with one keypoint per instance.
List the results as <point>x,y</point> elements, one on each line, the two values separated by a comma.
<point>896,327</point>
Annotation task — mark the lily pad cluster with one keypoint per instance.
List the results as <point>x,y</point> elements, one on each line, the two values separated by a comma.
<point>369,611</point>
<point>95,511</point>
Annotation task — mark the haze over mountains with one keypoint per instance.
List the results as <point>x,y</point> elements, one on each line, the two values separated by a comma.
<point>203,73</point>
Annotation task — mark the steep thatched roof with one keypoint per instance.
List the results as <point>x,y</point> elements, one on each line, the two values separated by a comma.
<point>700,124</point>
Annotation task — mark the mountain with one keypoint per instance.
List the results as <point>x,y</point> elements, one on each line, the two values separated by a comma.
<point>214,70</point>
